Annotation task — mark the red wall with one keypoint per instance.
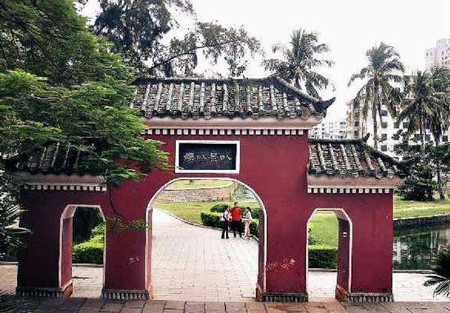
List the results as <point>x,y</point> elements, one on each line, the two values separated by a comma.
<point>275,167</point>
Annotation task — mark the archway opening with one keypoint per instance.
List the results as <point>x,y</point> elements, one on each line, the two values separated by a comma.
<point>329,254</point>
<point>82,250</point>
<point>189,258</point>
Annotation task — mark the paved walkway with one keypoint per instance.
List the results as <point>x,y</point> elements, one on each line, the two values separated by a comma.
<point>84,305</point>
<point>194,263</point>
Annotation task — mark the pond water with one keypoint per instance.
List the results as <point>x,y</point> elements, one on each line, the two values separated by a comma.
<point>414,248</point>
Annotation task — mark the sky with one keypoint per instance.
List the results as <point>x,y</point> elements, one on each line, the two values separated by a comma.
<point>349,27</point>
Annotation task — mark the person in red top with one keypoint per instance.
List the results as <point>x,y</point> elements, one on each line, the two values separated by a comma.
<point>236,219</point>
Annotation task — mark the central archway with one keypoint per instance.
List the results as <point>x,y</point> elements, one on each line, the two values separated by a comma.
<point>262,245</point>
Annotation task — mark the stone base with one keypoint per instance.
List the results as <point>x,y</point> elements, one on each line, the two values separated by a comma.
<point>125,294</point>
<point>280,296</point>
<point>362,297</point>
<point>45,292</point>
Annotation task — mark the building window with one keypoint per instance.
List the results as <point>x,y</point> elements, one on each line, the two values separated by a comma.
<point>396,125</point>
<point>427,137</point>
<point>416,136</point>
<point>356,123</point>
<point>396,137</point>
<point>384,124</point>
<point>444,138</point>
<point>384,113</point>
<point>355,134</point>
<point>383,136</point>
<point>383,148</point>
<point>405,124</point>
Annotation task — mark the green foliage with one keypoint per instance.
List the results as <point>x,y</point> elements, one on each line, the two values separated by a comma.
<point>10,210</point>
<point>213,220</point>
<point>382,73</point>
<point>85,221</point>
<point>220,207</point>
<point>441,274</point>
<point>419,184</point>
<point>322,256</point>
<point>299,60</point>
<point>88,252</point>
<point>143,31</point>
<point>59,82</point>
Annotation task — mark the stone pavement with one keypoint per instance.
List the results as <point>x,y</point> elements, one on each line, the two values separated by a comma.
<point>194,263</point>
<point>84,305</point>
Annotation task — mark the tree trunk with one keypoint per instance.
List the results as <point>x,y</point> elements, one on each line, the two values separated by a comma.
<point>439,176</point>
<point>375,127</point>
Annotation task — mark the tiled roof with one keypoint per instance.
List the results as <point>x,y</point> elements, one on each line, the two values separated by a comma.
<point>54,158</point>
<point>351,158</point>
<point>209,98</point>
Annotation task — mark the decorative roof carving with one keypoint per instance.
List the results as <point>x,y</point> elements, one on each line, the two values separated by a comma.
<point>195,98</point>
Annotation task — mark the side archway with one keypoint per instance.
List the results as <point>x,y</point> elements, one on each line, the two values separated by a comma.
<point>65,279</point>
<point>345,250</point>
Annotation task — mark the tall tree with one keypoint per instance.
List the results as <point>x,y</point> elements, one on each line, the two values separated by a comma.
<point>143,31</point>
<point>380,75</point>
<point>440,118</point>
<point>427,108</point>
<point>59,82</point>
<point>299,61</point>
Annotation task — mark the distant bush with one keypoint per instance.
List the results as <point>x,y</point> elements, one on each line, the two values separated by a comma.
<point>220,208</point>
<point>88,252</point>
<point>213,220</point>
<point>322,256</point>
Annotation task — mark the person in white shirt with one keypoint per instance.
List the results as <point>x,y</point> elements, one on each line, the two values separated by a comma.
<point>248,221</point>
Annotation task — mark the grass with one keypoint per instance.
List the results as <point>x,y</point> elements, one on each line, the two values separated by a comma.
<point>191,211</point>
<point>199,183</point>
<point>323,225</point>
<point>404,209</point>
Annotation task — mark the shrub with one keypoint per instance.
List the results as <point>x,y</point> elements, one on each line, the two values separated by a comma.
<point>98,233</point>
<point>213,220</point>
<point>322,256</point>
<point>219,207</point>
<point>88,252</point>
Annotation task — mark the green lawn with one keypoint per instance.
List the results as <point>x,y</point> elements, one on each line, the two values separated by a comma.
<point>403,208</point>
<point>191,211</point>
<point>199,183</point>
<point>323,225</point>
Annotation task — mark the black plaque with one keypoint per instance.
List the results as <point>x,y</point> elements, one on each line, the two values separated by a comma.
<point>207,156</point>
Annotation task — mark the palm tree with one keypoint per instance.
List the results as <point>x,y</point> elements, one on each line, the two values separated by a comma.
<point>299,61</point>
<point>440,119</point>
<point>383,70</point>
<point>417,107</point>
<point>441,274</point>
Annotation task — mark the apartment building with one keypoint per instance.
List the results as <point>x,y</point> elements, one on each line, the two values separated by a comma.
<point>333,129</point>
<point>389,131</point>
<point>439,55</point>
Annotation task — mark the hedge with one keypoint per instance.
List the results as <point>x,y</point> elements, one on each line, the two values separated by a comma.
<point>213,220</point>
<point>219,208</point>
<point>88,252</point>
<point>322,256</point>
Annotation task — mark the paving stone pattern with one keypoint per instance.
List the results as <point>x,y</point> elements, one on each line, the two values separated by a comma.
<point>86,305</point>
<point>194,263</point>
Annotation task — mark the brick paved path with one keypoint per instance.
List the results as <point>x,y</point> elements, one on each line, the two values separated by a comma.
<point>84,305</point>
<point>194,263</point>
